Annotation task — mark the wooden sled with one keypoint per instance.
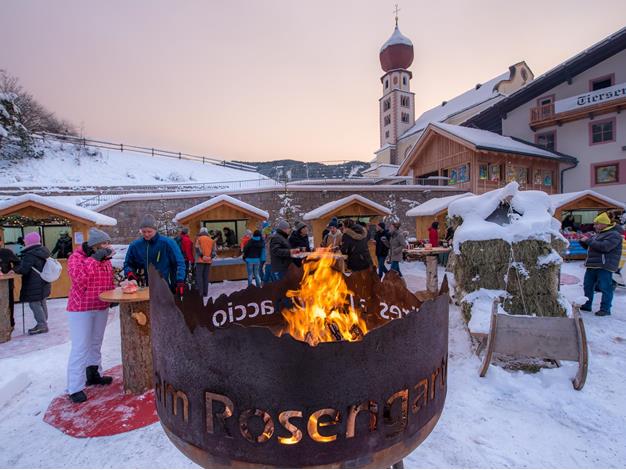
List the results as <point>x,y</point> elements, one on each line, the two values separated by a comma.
<point>540,337</point>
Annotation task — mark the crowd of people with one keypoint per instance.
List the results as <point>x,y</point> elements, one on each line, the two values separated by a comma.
<point>268,252</point>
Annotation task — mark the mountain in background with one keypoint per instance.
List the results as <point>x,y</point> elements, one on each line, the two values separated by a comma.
<point>291,170</point>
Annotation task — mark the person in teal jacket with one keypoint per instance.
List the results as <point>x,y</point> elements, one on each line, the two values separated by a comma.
<point>160,251</point>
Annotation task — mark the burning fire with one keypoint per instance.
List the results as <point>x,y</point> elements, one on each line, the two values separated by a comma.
<point>323,308</point>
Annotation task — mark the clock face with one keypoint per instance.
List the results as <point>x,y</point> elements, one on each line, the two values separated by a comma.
<point>395,80</point>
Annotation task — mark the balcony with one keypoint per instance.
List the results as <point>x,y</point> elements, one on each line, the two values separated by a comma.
<point>578,107</point>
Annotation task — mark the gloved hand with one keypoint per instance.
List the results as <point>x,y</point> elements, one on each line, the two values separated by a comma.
<point>102,254</point>
<point>131,276</point>
<point>180,288</point>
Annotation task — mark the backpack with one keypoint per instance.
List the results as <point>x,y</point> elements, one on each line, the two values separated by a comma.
<point>51,270</point>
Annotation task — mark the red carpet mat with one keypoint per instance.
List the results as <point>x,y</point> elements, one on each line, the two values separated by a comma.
<point>107,411</point>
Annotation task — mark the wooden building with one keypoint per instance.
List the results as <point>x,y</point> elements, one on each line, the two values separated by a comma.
<point>354,207</point>
<point>33,213</point>
<point>215,214</point>
<point>478,161</point>
<point>435,209</point>
<point>584,205</point>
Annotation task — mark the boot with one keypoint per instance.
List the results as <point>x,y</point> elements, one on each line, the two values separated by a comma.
<point>94,377</point>
<point>78,397</point>
<point>602,313</point>
<point>38,330</point>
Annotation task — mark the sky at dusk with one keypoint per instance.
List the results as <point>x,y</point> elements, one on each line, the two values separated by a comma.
<point>265,80</point>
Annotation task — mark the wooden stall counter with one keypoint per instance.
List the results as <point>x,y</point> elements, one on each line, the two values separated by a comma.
<point>431,255</point>
<point>135,335</point>
<point>5,306</point>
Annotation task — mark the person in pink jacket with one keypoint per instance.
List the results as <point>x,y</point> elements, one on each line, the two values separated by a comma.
<point>91,273</point>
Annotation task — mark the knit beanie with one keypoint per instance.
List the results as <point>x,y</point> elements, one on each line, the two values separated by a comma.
<point>601,219</point>
<point>148,221</point>
<point>97,236</point>
<point>185,230</point>
<point>32,238</point>
<point>283,225</point>
<point>299,226</point>
<point>204,231</point>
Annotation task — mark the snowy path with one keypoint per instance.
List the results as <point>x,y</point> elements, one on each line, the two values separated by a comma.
<point>504,420</point>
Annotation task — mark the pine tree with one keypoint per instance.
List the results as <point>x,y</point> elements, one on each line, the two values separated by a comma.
<point>15,140</point>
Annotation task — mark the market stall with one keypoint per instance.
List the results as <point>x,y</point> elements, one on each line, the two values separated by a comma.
<point>354,207</point>
<point>576,212</point>
<point>435,209</point>
<point>227,219</point>
<point>53,220</point>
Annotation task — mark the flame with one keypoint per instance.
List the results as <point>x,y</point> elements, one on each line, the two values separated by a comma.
<point>323,309</point>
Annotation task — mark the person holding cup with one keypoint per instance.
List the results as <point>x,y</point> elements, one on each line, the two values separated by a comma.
<point>91,273</point>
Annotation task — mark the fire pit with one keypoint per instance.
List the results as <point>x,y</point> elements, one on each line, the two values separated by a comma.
<point>361,389</point>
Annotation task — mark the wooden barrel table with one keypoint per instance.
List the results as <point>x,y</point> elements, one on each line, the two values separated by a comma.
<point>5,306</point>
<point>430,255</point>
<point>135,335</point>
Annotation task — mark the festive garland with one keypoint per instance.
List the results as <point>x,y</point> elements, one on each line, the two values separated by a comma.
<point>15,220</point>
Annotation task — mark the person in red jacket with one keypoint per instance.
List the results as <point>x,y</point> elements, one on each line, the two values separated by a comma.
<point>433,234</point>
<point>186,246</point>
<point>91,273</point>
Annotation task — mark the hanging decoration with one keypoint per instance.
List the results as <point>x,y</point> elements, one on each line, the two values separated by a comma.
<point>17,220</point>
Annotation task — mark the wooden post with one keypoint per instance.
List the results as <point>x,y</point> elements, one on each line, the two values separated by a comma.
<point>432,280</point>
<point>136,346</point>
<point>5,311</point>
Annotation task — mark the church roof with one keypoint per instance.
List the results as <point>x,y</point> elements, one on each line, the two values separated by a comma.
<point>396,38</point>
<point>482,93</point>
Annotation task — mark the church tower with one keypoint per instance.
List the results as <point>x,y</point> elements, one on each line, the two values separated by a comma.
<point>397,105</point>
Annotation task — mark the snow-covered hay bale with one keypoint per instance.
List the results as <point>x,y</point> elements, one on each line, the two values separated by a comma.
<point>508,242</point>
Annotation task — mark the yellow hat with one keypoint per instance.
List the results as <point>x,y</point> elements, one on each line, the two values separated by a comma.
<point>602,219</point>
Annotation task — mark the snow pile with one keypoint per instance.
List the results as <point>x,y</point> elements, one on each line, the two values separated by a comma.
<point>552,258</point>
<point>531,218</point>
<point>481,303</point>
<point>67,164</point>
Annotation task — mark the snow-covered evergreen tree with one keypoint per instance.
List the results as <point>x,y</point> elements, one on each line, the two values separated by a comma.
<point>15,141</point>
<point>392,206</point>
<point>289,210</point>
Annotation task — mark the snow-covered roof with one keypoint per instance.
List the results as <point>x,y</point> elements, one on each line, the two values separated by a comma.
<point>535,222</point>
<point>334,205</point>
<point>217,200</point>
<point>435,205</point>
<point>382,169</point>
<point>396,38</point>
<point>559,200</point>
<point>487,140</point>
<point>70,209</point>
<point>473,97</point>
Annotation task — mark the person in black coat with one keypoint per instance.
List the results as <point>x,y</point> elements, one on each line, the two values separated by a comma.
<point>382,248</point>
<point>280,250</point>
<point>63,247</point>
<point>299,239</point>
<point>35,290</point>
<point>8,262</point>
<point>252,252</point>
<point>354,244</point>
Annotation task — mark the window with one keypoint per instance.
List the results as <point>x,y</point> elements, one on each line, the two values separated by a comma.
<point>483,171</point>
<point>404,101</point>
<point>547,178</point>
<point>601,82</point>
<point>386,84</point>
<point>494,173</point>
<point>404,80</point>
<point>606,174</point>
<point>387,120</point>
<point>545,107</point>
<point>405,117</point>
<point>547,140</point>
<point>386,134</point>
<point>238,227</point>
<point>602,131</point>
<point>386,104</point>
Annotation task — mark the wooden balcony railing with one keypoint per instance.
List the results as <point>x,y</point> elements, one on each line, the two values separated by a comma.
<point>540,113</point>
<point>545,115</point>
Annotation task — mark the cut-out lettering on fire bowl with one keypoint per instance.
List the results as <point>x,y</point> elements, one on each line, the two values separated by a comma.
<point>234,388</point>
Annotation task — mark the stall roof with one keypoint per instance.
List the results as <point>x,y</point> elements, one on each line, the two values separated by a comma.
<point>68,209</point>
<point>560,200</point>
<point>435,205</point>
<point>334,205</point>
<point>224,198</point>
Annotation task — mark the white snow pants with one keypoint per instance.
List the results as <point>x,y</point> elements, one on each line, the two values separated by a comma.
<point>86,333</point>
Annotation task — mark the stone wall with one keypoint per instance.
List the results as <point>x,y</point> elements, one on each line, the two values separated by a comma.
<point>397,198</point>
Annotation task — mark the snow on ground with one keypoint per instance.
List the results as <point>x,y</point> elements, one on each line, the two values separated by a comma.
<point>507,419</point>
<point>65,164</point>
